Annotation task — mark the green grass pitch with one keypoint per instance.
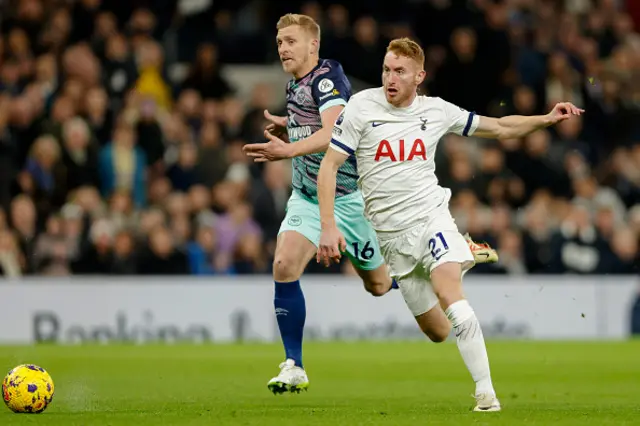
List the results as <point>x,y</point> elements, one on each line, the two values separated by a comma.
<point>351,384</point>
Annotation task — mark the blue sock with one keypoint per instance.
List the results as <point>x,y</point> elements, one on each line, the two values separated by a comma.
<point>394,284</point>
<point>291,312</point>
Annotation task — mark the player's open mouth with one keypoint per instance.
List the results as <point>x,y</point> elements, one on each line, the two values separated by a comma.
<point>392,90</point>
<point>285,60</point>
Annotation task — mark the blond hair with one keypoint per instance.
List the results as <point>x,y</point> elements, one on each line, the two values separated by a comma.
<point>407,47</point>
<point>306,22</point>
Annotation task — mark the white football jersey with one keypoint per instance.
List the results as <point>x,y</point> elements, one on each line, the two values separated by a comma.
<point>395,150</point>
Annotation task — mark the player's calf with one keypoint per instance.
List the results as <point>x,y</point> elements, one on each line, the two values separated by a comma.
<point>435,324</point>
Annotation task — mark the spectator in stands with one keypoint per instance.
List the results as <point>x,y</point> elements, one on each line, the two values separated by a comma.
<point>121,210</point>
<point>212,157</point>
<point>44,177</point>
<point>119,70</point>
<point>151,80</point>
<point>162,257</point>
<point>149,136</point>
<point>622,256</point>
<point>249,257</point>
<point>97,253</point>
<point>97,114</point>
<point>201,251</point>
<point>230,229</point>
<point>578,246</point>
<point>184,173</point>
<point>254,122</point>
<point>270,195</point>
<point>24,221</point>
<point>366,47</point>
<point>205,76</point>
<point>539,225</point>
<point>46,251</point>
<point>10,257</point>
<point>80,154</point>
<point>123,165</point>
<point>124,258</point>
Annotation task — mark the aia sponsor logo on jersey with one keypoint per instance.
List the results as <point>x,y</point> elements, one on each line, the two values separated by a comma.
<point>401,150</point>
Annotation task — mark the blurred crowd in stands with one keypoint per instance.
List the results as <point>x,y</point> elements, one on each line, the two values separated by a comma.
<point>112,164</point>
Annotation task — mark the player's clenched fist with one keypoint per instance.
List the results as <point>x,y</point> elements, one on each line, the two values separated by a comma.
<point>332,244</point>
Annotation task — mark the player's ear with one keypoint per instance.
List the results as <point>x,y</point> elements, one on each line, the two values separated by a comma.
<point>316,46</point>
<point>420,76</point>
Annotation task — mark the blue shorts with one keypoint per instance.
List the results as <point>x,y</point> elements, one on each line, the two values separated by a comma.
<point>303,216</point>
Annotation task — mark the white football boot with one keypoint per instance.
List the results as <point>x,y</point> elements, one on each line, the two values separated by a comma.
<point>487,402</point>
<point>291,379</point>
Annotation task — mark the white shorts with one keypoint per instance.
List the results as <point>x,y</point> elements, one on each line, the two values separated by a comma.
<point>412,256</point>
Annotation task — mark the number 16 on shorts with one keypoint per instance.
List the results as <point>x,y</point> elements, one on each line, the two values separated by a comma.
<point>363,251</point>
<point>438,246</point>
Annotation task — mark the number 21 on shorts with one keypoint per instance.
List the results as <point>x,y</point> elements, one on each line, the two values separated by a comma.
<point>438,246</point>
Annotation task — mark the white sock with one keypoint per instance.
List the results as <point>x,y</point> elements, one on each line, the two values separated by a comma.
<point>471,344</point>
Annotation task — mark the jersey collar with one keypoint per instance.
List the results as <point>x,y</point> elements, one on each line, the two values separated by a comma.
<point>310,72</point>
<point>406,109</point>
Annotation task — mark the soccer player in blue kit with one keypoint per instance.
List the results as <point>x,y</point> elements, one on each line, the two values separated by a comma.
<point>316,96</point>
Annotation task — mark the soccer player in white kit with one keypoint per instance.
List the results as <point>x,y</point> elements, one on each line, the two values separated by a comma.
<point>393,133</point>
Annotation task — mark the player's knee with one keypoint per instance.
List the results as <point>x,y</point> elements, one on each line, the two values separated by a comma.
<point>377,284</point>
<point>435,324</point>
<point>377,289</point>
<point>449,297</point>
<point>447,283</point>
<point>437,338</point>
<point>285,269</point>
<point>439,334</point>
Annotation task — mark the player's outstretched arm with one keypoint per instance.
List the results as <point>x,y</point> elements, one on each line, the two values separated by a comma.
<point>332,243</point>
<point>277,149</point>
<point>517,126</point>
<point>319,141</point>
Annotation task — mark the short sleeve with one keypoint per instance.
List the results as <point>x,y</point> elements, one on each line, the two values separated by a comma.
<point>347,130</point>
<point>460,121</point>
<point>331,88</point>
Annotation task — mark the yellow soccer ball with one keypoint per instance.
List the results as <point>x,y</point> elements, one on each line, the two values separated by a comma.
<point>27,389</point>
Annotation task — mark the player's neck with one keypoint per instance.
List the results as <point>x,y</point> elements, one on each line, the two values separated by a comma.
<point>408,102</point>
<point>306,68</point>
